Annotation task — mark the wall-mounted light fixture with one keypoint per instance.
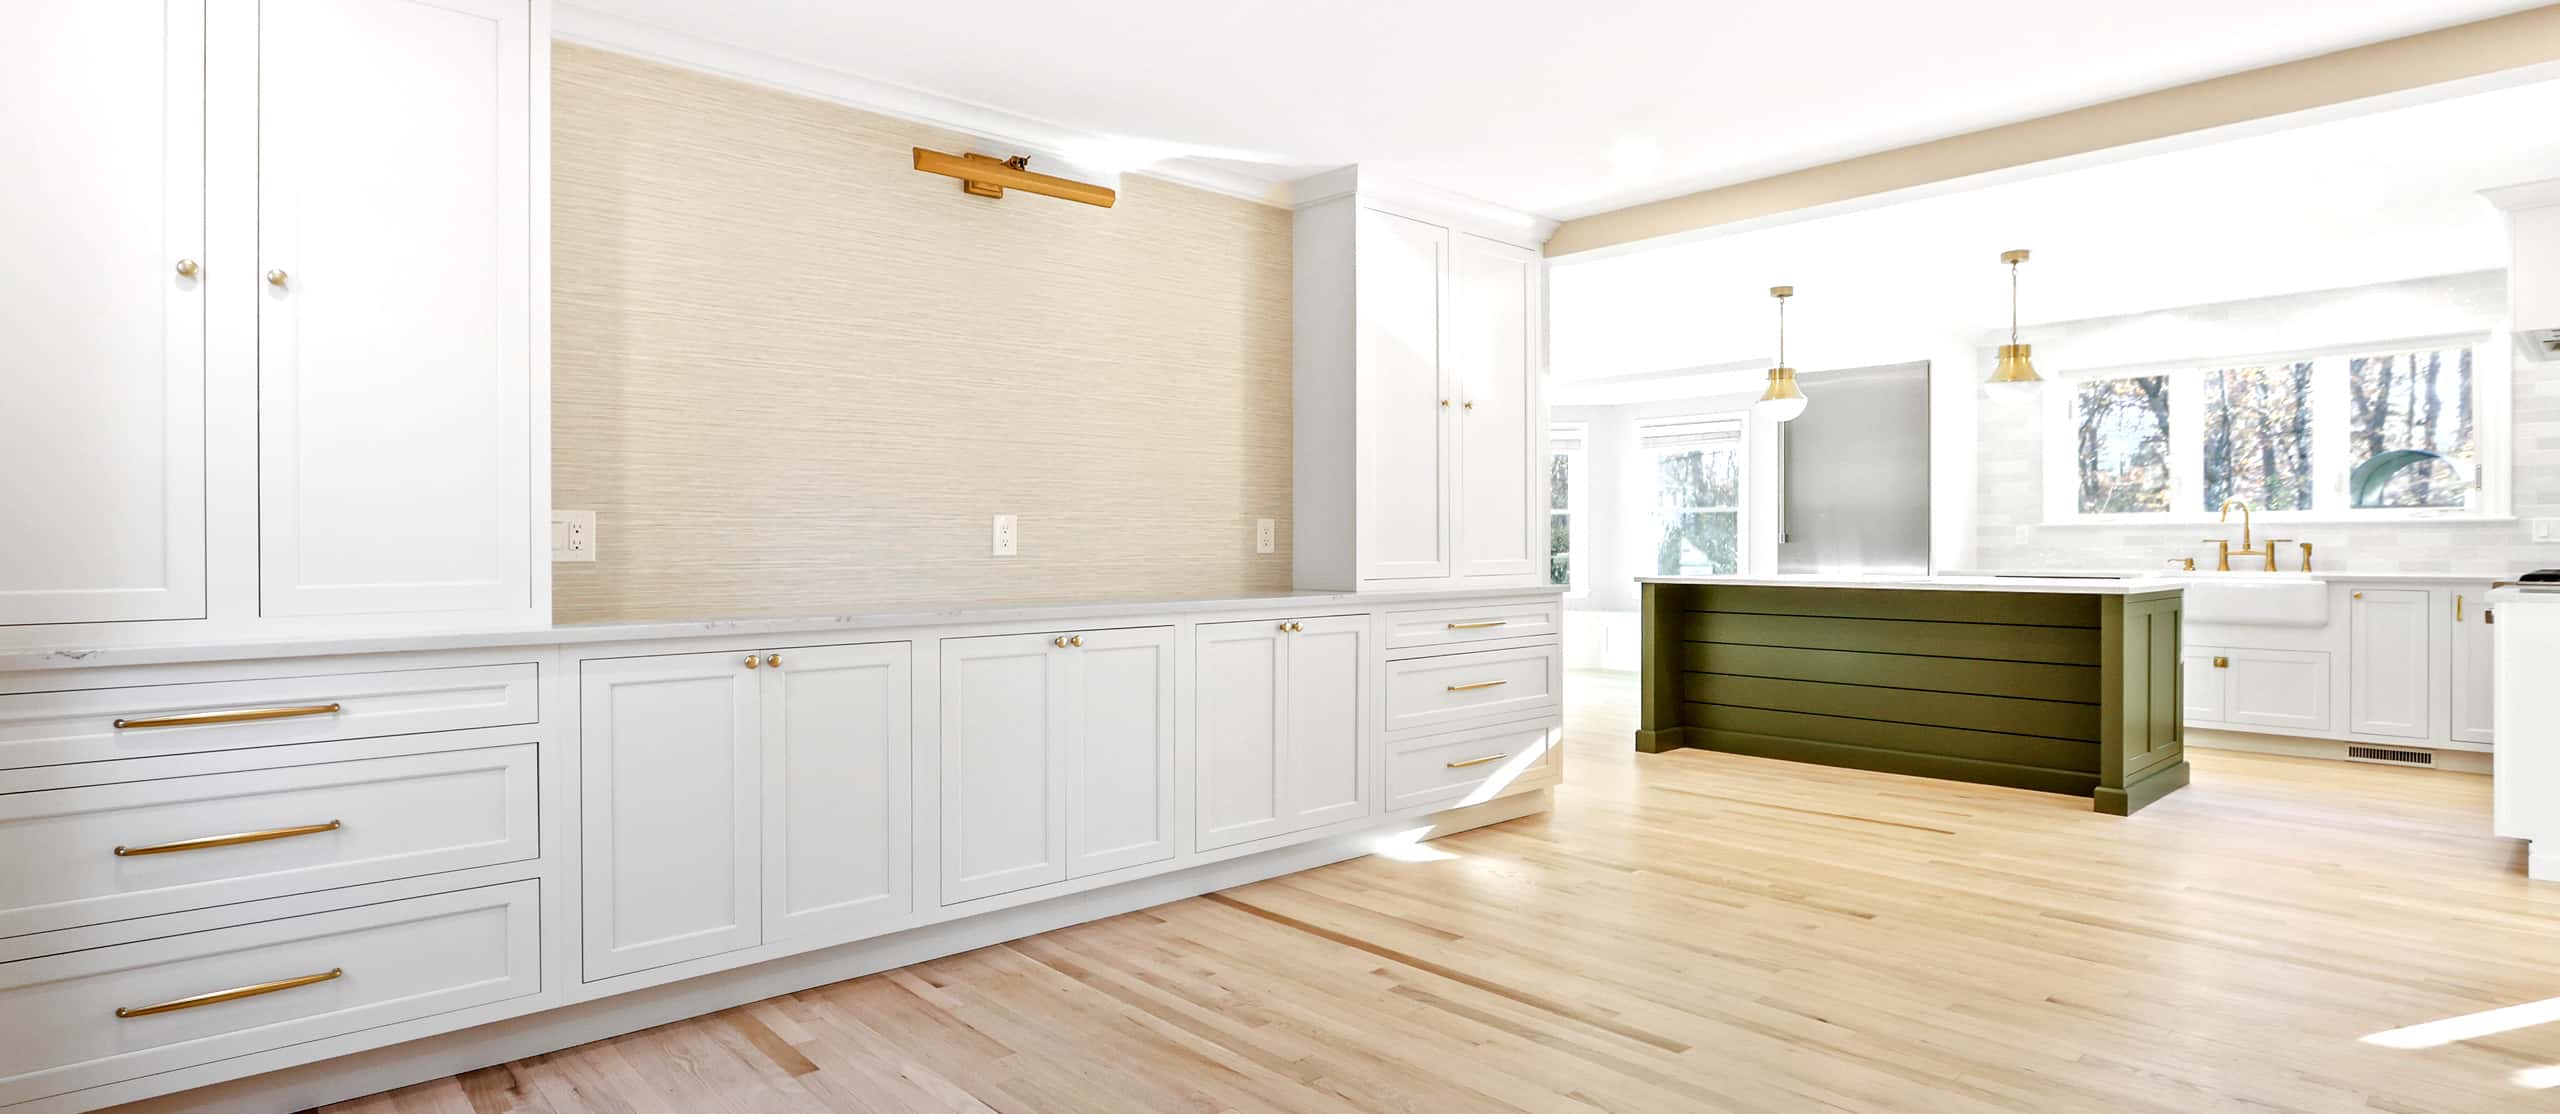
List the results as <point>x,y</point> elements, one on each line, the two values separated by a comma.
<point>1783,400</point>
<point>2014,366</point>
<point>989,176</point>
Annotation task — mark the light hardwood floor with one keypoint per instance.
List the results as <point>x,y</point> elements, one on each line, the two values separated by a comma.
<point>1700,932</point>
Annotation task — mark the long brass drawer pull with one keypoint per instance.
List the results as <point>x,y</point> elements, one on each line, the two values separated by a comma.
<point>1463,763</point>
<point>1480,626</point>
<point>201,842</point>
<point>244,715</point>
<point>232,995</point>
<point>1477,685</point>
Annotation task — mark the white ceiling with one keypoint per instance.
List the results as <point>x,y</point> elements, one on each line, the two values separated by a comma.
<point>2375,198</point>
<point>1559,110</point>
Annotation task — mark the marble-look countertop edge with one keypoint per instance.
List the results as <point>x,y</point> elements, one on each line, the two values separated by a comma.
<point>577,634</point>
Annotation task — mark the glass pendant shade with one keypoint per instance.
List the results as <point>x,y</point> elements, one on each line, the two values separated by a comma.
<point>1782,401</point>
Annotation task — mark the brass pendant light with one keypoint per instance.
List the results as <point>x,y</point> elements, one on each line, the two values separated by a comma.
<point>2014,367</point>
<point>1782,401</point>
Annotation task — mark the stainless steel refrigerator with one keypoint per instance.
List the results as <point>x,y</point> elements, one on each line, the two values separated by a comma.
<point>1853,473</point>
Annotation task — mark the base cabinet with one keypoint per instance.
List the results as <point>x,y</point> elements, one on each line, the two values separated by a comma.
<point>2475,671</point>
<point>838,791</point>
<point>2388,679</point>
<point>1278,727</point>
<point>2256,688</point>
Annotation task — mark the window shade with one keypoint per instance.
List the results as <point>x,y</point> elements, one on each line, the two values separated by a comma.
<point>1690,433</point>
<point>1564,439</point>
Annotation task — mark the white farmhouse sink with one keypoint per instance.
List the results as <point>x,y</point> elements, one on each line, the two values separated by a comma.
<point>2257,599</point>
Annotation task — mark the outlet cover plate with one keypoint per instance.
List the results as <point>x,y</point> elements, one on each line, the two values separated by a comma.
<point>573,536</point>
<point>1004,539</point>
<point>1266,536</point>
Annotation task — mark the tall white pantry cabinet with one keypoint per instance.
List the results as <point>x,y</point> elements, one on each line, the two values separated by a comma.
<point>1418,351</point>
<point>273,326</point>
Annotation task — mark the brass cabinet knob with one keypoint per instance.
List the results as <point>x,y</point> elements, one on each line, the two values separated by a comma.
<point>774,660</point>
<point>1078,640</point>
<point>1059,642</point>
<point>2359,595</point>
<point>1295,628</point>
<point>187,268</point>
<point>1444,402</point>
<point>275,278</point>
<point>1468,405</point>
<point>1284,628</point>
<point>2222,663</point>
<point>754,661</point>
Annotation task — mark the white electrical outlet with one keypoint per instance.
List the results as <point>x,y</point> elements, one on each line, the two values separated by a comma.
<point>1266,537</point>
<point>1004,539</point>
<point>573,536</point>
<point>2546,529</point>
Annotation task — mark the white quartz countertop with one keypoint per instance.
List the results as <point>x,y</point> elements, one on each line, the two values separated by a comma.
<point>2039,585</point>
<point>790,626</point>
<point>2237,573</point>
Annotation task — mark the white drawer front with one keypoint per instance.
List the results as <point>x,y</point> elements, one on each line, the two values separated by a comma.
<point>1467,769</point>
<point>395,817</point>
<point>44,728</point>
<point>1428,693</point>
<point>1481,623</point>
<point>395,961</point>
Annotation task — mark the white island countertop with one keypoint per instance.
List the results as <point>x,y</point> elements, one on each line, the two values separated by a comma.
<point>793,626</point>
<point>2024,583</point>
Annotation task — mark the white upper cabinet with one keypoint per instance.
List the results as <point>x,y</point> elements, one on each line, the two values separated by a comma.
<point>1492,337</point>
<point>102,311</point>
<point>394,342</point>
<point>1420,428</point>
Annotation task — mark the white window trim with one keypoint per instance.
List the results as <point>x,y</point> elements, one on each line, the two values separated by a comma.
<point>2491,425</point>
<point>1643,559</point>
<point>1577,509</point>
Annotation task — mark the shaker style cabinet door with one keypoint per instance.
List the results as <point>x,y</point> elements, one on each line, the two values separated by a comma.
<point>394,333</point>
<point>1237,720</point>
<point>1493,305</point>
<point>2475,671</point>
<point>1005,725</point>
<point>1120,766</point>
<point>2387,662</point>
<point>1405,405</point>
<point>102,311</point>
<point>1327,769</point>
<point>837,791</point>
<point>670,780</point>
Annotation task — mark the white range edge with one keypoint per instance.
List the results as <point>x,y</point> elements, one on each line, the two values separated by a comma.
<point>2105,585</point>
<point>575,634</point>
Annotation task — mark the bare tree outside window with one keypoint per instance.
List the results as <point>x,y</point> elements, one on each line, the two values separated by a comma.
<point>1697,508</point>
<point>2415,400</point>
<point>2124,445</point>
<point>2258,436</point>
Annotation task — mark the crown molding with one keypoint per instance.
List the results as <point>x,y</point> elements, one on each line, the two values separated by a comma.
<point>588,27</point>
<point>2525,195</point>
<point>1454,209</point>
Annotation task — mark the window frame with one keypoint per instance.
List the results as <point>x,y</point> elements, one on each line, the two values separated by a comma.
<point>2490,501</point>
<point>1741,420</point>
<point>1577,508</point>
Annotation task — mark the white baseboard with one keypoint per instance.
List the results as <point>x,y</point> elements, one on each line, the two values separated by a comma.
<point>2457,761</point>
<point>400,1065</point>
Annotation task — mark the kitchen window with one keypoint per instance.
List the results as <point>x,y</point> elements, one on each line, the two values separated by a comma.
<point>2382,431</point>
<point>1566,496</point>
<point>1696,468</point>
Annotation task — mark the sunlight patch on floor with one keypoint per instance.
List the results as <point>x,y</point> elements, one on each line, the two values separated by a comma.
<point>2471,1026</point>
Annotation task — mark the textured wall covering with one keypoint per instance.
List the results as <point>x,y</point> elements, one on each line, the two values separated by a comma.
<point>792,373</point>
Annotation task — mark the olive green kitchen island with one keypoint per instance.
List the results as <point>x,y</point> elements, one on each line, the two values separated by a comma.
<point>2054,684</point>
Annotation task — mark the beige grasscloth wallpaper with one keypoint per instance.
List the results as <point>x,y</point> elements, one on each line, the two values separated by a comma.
<point>792,374</point>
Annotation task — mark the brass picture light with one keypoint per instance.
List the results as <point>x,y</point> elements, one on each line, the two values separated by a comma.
<point>988,176</point>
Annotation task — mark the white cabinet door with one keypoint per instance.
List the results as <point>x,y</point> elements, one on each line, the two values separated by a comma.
<point>1120,784</point>
<point>394,345</point>
<point>1237,715</point>
<point>101,335</point>
<point>1493,305</point>
<point>2387,662</point>
<point>1005,725</point>
<point>670,779</point>
<point>2202,684</point>
<point>838,858</point>
<point>2278,688</point>
<point>1405,405</point>
<point>2475,670</point>
<point>1325,767</point>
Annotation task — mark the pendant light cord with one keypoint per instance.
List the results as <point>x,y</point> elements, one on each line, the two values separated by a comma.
<point>1782,332</point>
<point>2013,304</point>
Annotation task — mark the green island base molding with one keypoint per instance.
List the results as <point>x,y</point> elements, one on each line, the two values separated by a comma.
<point>2065,692</point>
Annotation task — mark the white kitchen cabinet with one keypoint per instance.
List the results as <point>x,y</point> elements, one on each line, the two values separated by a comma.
<point>1419,426</point>
<point>1492,334</point>
<point>2388,679</point>
<point>838,791</point>
<point>2203,686</point>
<point>2475,669</point>
<point>671,779</point>
<point>102,315</point>
<point>394,341</point>
<point>2244,687</point>
<point>1120,750</point>
<point>1279,729</point>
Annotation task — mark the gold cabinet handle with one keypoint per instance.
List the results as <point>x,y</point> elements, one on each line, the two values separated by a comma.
<point>1477,685</point>
<point>2359,595</point>
<point>187,268</point>
<point>1480,626</point>
<point>244,715</point>
<point>2457,607</point>
<point>232,995</point>
<point>1075,640</point>
<point>2222,663</point>
<point>773,660</point>
<point>754,661</point>
<point>202,842</point>
<point>1463,763</point>
<point>275,278</point>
